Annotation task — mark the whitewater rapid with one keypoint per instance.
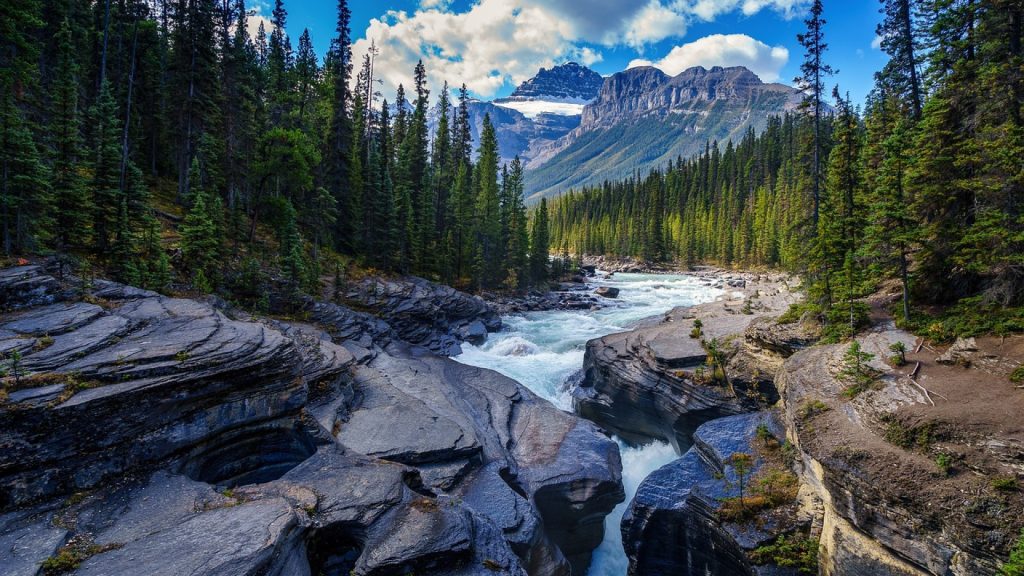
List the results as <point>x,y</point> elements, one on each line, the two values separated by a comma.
<point>543,349</point>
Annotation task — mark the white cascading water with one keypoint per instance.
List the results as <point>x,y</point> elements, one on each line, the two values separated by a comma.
<point>543,349</point>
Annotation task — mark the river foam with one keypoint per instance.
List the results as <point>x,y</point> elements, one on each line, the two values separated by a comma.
<point>542,350</point>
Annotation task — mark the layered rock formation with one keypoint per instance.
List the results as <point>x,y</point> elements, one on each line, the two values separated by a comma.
<point>422,313</point>
<point>906,470</point>
<point>569,82</point>
<point>673,524</point>
<point>648,383</point>
<point>643,118</point>
<point>152,435</point>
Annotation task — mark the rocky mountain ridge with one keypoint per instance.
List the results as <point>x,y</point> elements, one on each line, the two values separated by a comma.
<point>643,118</point>
<point>569,82</point>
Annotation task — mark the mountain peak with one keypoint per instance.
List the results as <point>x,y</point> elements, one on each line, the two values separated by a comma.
<point>569,82</point>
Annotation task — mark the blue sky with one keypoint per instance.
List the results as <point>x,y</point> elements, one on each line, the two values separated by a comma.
<point>492,45</point>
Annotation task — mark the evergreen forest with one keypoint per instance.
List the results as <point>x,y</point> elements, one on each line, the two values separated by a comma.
<point>923,187</point>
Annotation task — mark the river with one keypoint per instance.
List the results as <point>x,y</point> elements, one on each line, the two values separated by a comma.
<point>543,349</point>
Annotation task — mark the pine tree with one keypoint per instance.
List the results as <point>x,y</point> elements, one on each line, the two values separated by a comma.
<point>200,242</point>
<point>293,260</point>
<point>72,205</point>
<point>306,72</point>
<point>814,71</point>
<point>339,138</point>
<point>540,245</point>
<point>106,168</point>
<point>487,220</point>
<point>517,257</point>
<point>24,181</point>
<point>24,186</point>
<point>899,40</point>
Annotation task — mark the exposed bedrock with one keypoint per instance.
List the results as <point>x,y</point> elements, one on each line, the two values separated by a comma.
<point>154,435</point>
<point>426,314</point>
<point>869,459</point>
<point>650,383</point>
<point>672,526</point>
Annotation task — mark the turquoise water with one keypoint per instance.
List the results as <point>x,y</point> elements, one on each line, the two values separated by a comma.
<point>543,349</point>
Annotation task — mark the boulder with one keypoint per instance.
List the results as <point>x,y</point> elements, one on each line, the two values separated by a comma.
<point>959,353</point>
<point>424,313</point>
<point>23,286</point>
<point>672,524</point>
<point>607,292</point>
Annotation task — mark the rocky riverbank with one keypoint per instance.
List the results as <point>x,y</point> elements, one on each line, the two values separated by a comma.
<point>151,435</point>
<point>649,383</point>
<point>916,473</point>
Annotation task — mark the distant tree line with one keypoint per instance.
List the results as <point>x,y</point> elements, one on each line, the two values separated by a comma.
<point>924,186</point>
<point>160,141</point>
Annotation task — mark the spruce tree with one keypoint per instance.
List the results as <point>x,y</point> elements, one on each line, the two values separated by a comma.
<point>106,168</point>
<point>900,41</point>
<point>487,219</point>
<point>337,157</point>
<point>813,74</point>
<point>540,245</point>
<point>200,242</point>
<point>72,205</point>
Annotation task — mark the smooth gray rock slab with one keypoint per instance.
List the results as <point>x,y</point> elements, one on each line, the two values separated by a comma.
<point>25,286</point>
<point>247,537</point>
<point>25,542</point>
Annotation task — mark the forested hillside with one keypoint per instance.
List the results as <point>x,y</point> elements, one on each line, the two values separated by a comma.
<point>161,143</point>
<point>923,186</point>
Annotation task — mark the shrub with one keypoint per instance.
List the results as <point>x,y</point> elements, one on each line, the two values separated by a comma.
<point>898,434</point>
<point>811,408</point>
<point>796,311</point>
<point>777,487</point>
<point>856,370</point>
<point>764,434</point>
<point>945,463</point>
<point>1017,376</point>
<point>1004,483</point>
<point>70,557</point>
<point>900,358</point>
<point>1014,566</point>
<point>792,552</point>
<point>696,332</point>
<point>43,343</point>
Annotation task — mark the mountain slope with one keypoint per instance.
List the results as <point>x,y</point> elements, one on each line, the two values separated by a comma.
<point>642,118</point>
<point>538,113</point>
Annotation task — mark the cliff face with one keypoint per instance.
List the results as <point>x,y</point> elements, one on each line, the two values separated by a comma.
<point>642,118</point>
<point>153,435</point>
<point>643,92</point>
<point>872,459</point>
<point>673,523</point>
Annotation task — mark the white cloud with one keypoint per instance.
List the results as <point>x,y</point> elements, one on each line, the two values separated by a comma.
<point>710,9</point>
<point>876,44</point>
<point>496,42</point>
<point>587,56</point>
<point>724,50</point>
<point>653,23</point>
<point>255,18</point>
